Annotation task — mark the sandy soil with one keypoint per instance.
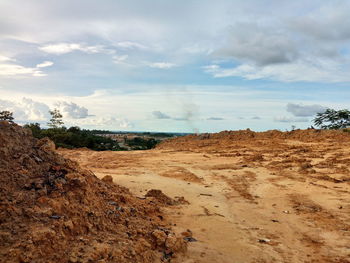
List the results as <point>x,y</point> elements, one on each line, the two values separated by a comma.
<point>280,201</point>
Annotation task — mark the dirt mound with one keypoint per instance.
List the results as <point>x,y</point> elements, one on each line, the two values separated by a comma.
<point>53,211</point>
<point>181,173</point>
<point>160,196</point>
<point>226,139</point>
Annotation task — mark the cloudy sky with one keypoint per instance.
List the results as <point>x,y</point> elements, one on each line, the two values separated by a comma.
<point>185,65</point>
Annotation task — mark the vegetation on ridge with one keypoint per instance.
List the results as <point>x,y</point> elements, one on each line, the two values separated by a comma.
<point>75,137</point>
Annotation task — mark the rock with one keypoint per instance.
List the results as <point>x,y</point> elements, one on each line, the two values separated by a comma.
<point>190,239</point>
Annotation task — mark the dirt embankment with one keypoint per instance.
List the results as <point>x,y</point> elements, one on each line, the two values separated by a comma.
<point>54,211</point>
<point>226,139</point>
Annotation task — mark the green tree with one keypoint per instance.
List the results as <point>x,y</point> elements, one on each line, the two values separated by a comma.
<point>36,130</point>
<point>333,119</point>
<point>56,119</point>
<point>6,116</point>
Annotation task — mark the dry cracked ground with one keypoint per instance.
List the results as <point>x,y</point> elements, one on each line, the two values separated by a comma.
<point>250,199</point>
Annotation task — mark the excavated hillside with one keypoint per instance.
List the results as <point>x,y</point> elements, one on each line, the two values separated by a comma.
<point>226,139</point>
<point>250,197</point>
<point>54,211</point>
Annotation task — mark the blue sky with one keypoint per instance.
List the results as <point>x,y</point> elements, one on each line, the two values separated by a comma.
<point>180,66</point>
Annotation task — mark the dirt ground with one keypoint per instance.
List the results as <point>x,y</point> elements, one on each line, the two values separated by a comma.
<point>250,200</point>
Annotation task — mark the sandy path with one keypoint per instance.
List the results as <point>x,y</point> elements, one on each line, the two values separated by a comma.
<point>240,211</point>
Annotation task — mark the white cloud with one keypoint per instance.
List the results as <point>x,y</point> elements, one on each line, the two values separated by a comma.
<point>300,110</point>
<point>120,59</point>
<point>45,64</point>
<point>215,119</point>
<point>10,70</point>
<point>29,110</point>
<point>72,110</point>
<point>109,122</point>
<point>211,68</point>
<point>162,65</point>
<point>26,109</point>
<point>290,119</point>
<point>64,48</point>
<point>124,124</point>
<point>324,71</point>
<point>5,58</point>
<point>311,46</point>
<point>295,34</point>
<point>130,45</point>
<point>330,22</point>
<point>35,110</point>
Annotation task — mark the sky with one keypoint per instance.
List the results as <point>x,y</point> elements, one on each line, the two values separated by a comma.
<point>174,66</point>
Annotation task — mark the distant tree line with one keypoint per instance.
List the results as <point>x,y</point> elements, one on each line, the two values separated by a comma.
<point>75,137</point>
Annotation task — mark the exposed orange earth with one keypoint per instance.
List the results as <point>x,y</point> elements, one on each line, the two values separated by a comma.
<point>51,210</point>
<point>253,197</point>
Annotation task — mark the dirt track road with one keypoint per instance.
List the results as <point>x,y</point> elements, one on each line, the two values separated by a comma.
<point>289,202</point>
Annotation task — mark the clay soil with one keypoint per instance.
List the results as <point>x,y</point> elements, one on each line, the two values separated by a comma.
<point>248,197</point>
<point>51,210</point>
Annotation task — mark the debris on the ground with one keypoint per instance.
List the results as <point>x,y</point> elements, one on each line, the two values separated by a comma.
<point>205,194</point>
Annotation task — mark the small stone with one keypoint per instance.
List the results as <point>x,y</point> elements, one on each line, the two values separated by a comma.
<point>264,240</point>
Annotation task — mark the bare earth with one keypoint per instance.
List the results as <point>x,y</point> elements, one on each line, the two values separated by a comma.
<point>256,200</point>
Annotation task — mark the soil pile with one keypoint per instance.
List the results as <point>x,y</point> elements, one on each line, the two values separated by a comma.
<point>54,211</point>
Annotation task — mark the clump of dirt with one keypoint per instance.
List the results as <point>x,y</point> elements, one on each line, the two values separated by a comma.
<point>183,174</point>
<point>53,211</point>
<point>160,197</point>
